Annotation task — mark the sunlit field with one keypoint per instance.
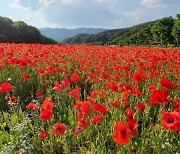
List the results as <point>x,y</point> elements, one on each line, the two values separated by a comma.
<point>89,99</point>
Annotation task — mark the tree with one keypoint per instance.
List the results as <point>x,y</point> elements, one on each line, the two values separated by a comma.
<point>162,29</point>
<point>176,30</point>
<point>6,29</point>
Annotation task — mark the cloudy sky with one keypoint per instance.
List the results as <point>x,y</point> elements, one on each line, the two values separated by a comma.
<point>87,13</point>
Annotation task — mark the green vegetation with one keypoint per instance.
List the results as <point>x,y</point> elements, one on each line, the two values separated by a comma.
<point>163,32</point>
<point>18,32</point>
<point>176,29</point>
<point>100,38</point>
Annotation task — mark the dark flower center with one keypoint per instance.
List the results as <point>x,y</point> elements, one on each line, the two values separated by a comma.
<point>170,120</point>
<point>131,128</point>
<point>131,117</point>
<point>59,128</point>
<point>123,132</point>
<point>83,121</point>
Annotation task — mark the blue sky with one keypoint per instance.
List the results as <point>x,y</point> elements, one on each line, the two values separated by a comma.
<point>108,14</point>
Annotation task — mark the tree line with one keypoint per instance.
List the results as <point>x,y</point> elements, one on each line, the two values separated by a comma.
<point>20,32</point>
<point>161,32</point>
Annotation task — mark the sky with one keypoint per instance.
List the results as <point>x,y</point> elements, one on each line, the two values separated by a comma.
<point>109,14</point>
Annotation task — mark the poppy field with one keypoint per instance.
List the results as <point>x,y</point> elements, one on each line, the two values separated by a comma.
<point>89,99</point>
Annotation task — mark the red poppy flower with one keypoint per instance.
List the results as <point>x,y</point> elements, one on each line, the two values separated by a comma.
<point>166,83</point>
<point>130,114</point>
<point>82,125</point>
<point>127,87</point>
<point>78,104</point>
<point>170,121</point>
<point>31,106</point>
<point>75,78</point>
<point>139,77</point>
<point>176,103</point>
<point>136,91</point>
<point>65,72</point>
<point>47,104</point>
<point>57,86</point>
<point>75,93</point>
<point>121,134</point>
<point>115,104</point>
<point>132,126</point>
<point>46,114</point>
<point>102,92</point>
<point>91,75</point>
<point>152,88</point>
<point>24,63</point>
<point>44,134</point>
<point>38,93</point>
<point>86,108</point>
<point>116,78</point>
<point>141,107</point>
<point>125,94</point>
<point>83,122</point>
<point>159,97</point>
<point>94,93</point>
<point>101,108</point>
<point>113,86</point>
<point>12,100</point>
<point>97,119</point>
<point>91,100</point>
<point>26,76</point>
<point>6,87</point>
<point>59,129</point>
<point>105,75</point>
<point>66,82</point>
<point>79,113</point>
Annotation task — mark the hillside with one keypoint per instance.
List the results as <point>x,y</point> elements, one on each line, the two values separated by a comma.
<point>19,31</point>
<point>160,32</point>
<point>106,36</point>
<point>59,34</point>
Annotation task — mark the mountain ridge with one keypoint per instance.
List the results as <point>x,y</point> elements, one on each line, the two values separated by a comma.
<point>104,37</point>
<point>162,32</point>
<point>60,34</point>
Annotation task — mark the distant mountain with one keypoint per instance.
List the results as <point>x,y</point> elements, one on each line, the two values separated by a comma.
<point>60,34</point>
<point>106,37</point>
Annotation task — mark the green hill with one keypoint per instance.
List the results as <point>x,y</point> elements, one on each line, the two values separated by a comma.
<point>19,32</point>
<point>159,32</point>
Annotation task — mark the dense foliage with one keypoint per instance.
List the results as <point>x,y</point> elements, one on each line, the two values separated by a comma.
<point>162,32</point>
<point>89,99</point>
<point>18,32</point>
<point>100,38</point>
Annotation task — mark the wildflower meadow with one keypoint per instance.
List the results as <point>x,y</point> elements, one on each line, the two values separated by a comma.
<point>89,99</point>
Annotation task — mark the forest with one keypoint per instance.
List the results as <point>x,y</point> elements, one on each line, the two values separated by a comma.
<point>20,32</point>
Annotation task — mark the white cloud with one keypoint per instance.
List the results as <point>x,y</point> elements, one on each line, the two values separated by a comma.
<point>37,18</point>
<point>36,4</point>
<point>25,4</point>
<point>136,14</point>
<point>158,3</point>
<point>70,13</point>
<point>33,14</point>
<point>48,3</point>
